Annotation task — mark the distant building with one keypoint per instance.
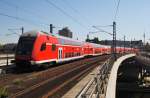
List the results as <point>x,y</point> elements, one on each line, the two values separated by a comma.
<point>65,32</point>
<point>9,48</point>
<point>120,43</point>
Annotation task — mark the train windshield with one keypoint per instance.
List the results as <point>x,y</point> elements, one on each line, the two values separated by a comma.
<point>25,45</point>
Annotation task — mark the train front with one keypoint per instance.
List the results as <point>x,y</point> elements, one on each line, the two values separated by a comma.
<point>24,50</point>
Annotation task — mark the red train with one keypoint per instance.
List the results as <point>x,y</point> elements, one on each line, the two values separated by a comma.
<point>38,48</point>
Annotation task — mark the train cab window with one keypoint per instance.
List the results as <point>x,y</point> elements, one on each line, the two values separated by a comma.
<point>43,47</point>
<point>53,47</point>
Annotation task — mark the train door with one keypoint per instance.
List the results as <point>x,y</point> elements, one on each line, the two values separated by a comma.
<point>60,53</point>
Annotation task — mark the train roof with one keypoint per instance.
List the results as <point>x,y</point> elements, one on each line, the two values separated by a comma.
<point>29,33</point>
<point>69,41</point>
<point>96,45</point>
<point>62,40</point>
<point>33,33</point>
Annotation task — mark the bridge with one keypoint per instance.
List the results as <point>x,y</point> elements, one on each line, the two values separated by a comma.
<point>127,77</point>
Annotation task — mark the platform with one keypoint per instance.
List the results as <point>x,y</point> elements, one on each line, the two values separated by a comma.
<point>73,92</point>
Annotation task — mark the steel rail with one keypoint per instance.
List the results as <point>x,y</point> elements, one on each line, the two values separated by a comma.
<point>50,86</point>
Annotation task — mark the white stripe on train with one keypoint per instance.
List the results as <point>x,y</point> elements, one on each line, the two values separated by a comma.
<point>61,60</point>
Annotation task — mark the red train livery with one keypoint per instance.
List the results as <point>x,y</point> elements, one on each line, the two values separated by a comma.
<point>38,48</point>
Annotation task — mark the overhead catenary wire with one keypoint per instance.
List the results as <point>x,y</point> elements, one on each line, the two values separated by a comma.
<point>101,30</point>
<point>37,15</point>
<point>76,11</point>
<point>24,10</point>
<point>12,33</point>
<point>104,26</point>
<point>20,8</point>
<point>65,13</point>
<point>19,19</point>
<point>116,11</point>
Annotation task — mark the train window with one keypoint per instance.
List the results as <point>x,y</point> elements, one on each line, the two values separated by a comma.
<point>43,47</point>
<point>77,54</point>
<point>69,54</point>
<point>53,47</point>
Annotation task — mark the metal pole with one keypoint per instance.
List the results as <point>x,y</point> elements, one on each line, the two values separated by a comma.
<point>124,43</point>
<point>114,40</point>
<point>144,38</point>
<point>22,30</point>
<point>144,42</point>
<point>131,44</point>
<point>51,28</point>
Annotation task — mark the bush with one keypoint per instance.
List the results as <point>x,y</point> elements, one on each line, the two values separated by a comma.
<point>3,92</point>
<point>17,81</point>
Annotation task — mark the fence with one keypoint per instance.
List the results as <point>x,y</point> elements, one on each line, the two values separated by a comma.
<point>96,88</point>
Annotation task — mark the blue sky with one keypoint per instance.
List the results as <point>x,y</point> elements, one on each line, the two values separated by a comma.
<point>132,19</point>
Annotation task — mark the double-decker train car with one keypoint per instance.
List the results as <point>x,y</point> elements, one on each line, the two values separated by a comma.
<point>36,48</point>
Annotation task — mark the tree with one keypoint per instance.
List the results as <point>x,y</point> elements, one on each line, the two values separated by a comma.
<point>147,47</point>
<point>65,32</point>
<point>87,39</point>
<point>96,40</point>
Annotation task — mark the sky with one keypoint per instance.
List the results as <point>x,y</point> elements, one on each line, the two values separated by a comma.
<point>78,15</point>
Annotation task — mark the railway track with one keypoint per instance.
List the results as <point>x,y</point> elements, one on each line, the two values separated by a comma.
<point>49,82</point>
